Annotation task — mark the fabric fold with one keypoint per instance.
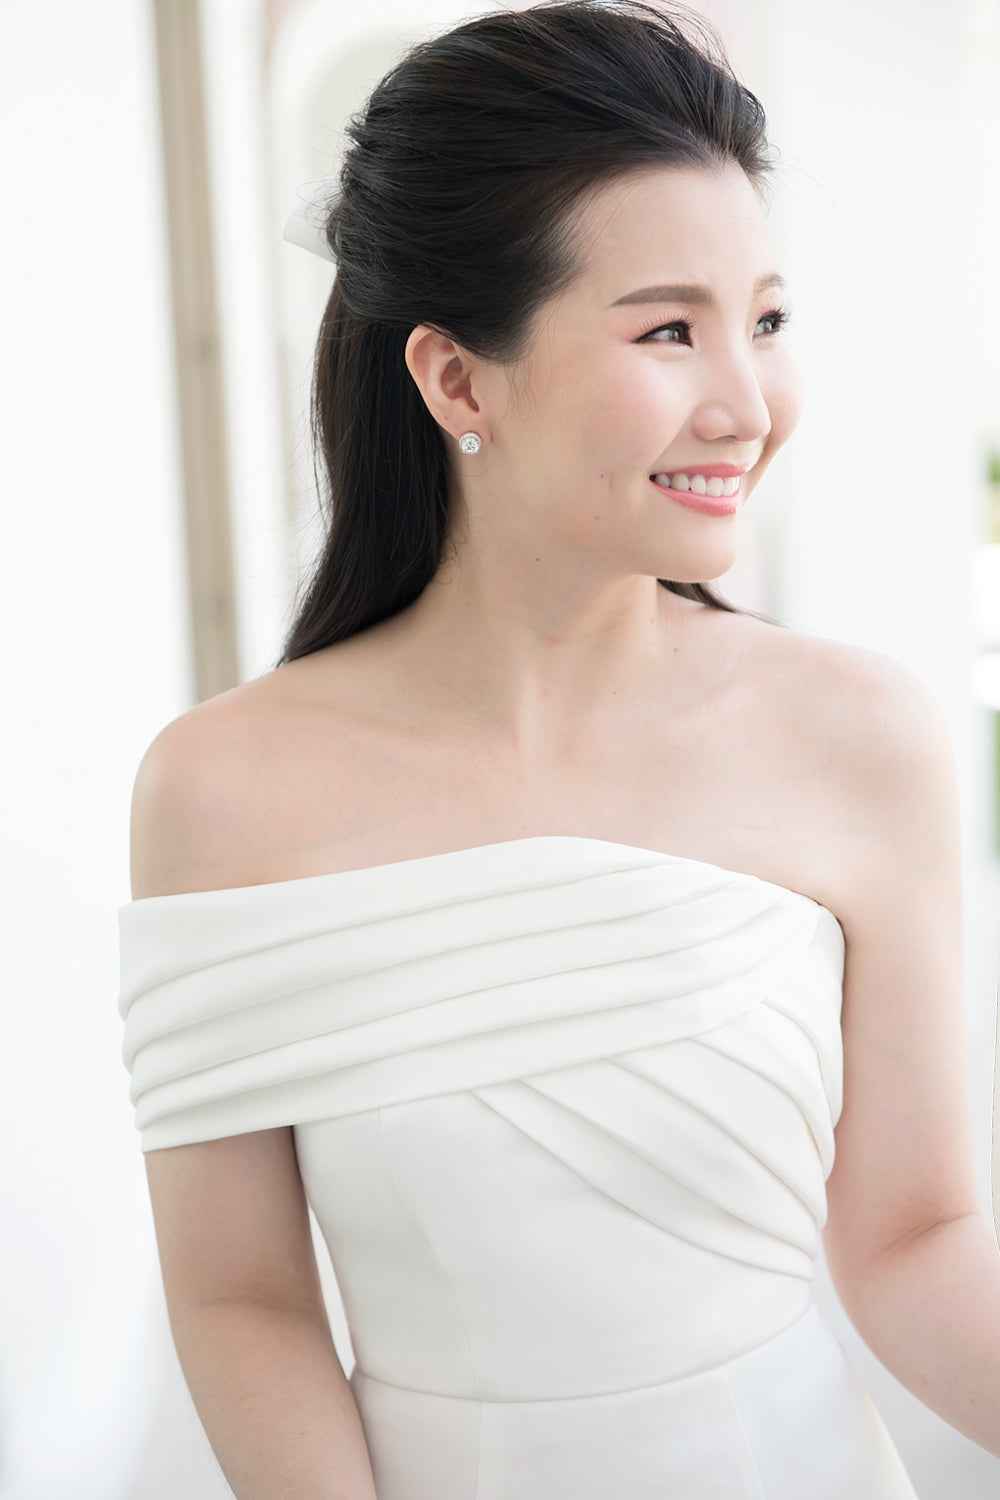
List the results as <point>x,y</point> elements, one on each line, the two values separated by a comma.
<point>313,998</point>
<point>564,1110</point>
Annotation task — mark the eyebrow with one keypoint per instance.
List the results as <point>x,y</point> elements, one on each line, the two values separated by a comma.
<point>696,296</point>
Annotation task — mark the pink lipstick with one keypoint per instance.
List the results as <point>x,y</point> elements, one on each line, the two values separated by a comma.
<point>709,505</point>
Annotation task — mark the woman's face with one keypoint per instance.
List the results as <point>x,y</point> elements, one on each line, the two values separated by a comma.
<point>664,357</point>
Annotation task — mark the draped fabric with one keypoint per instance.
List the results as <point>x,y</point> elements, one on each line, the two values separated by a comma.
<point>564,1110</point>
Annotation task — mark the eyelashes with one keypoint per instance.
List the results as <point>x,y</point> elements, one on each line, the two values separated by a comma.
<point>778,317</point>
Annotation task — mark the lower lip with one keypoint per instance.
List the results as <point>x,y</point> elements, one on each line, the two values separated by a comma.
<point>709,505</point>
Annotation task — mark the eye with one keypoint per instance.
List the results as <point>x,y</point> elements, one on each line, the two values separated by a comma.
<point>681,324</point>
<point>775,320</point>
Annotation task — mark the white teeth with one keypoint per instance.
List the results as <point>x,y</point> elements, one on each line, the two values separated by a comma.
<point>698,484</point>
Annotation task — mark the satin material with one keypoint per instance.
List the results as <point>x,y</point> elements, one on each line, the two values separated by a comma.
<point>564,1111</point>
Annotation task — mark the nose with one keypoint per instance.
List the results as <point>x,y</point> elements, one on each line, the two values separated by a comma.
<point>733,404</point>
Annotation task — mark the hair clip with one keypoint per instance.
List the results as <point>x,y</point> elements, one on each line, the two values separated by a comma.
<point>305,226</point>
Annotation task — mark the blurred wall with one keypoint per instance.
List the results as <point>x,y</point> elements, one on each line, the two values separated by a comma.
<point>93,599</point>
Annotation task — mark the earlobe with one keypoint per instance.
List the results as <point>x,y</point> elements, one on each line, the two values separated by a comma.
<point>442,372</point>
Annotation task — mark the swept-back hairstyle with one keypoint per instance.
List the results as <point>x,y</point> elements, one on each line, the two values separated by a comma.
<point>454,207</point>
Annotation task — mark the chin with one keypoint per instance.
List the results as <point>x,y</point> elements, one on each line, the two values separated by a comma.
<point>703,569</point>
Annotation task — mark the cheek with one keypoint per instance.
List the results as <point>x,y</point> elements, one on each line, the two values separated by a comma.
<point>784,395</point>
<point>637,411</point>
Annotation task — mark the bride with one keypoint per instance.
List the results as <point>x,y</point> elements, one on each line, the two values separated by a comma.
<point>585,951</point>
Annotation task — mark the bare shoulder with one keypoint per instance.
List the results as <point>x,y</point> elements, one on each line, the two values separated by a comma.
<point>187,789</point>
<point>886,768</point>
<point>880,724</point>
<point>828,670</point>
<point>870,711</point>
<point>854,759</point>
<point>208,793</point>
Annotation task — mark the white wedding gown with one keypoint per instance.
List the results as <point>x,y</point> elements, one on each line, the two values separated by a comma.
<point>564,1110</point>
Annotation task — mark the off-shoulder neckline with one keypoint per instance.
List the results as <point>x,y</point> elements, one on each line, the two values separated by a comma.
<point>332,876</point>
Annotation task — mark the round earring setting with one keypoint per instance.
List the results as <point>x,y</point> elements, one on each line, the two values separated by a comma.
<point>470,442</point>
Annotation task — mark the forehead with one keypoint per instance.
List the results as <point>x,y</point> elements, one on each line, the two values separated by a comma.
<point>670,225</point>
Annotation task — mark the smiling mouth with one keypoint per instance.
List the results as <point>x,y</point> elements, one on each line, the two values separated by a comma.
<point>697,484</point>
<point>708,505</point>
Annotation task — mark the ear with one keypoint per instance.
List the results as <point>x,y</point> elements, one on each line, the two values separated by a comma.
<point>444,374</point>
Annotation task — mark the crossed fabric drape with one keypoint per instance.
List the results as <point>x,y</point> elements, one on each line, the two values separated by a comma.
<point>564,1110</point>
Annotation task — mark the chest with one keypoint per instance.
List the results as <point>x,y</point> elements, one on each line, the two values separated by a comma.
<point>734,781</point>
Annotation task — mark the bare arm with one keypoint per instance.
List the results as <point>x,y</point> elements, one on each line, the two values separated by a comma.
<point>931,1312</point>
<point>912,1255</point>
<point>248,1320</point>
<point>232,1225</point>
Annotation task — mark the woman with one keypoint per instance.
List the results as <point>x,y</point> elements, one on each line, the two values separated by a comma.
<point>539,916</point>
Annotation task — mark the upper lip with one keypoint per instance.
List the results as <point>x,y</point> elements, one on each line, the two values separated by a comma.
<point>710,471</point>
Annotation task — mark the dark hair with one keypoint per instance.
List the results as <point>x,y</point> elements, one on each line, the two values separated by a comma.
<point>454,202</point>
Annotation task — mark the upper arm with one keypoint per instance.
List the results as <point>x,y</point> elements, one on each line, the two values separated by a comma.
<point>232,1223</point>
<point>904,1157</point>
<point>230,1214</point>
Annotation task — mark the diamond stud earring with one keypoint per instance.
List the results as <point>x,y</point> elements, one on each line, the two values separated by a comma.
<point>470,442</point>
